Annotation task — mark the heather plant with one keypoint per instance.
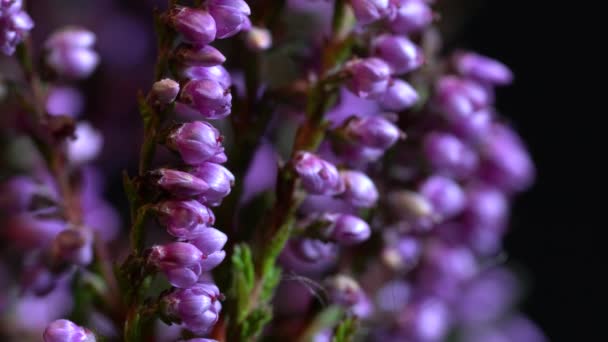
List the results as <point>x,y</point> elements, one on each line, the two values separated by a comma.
<point>308,171</point>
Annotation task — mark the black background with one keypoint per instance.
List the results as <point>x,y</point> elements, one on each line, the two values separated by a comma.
<point>554,236</point>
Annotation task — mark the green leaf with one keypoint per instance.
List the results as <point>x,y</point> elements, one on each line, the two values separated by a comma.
<point>243,280</point>
<point>255,322</point>
<point>345,332</point>
<point>271,280</point>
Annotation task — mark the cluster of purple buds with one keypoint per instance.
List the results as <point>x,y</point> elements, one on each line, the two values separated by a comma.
<point>15,24</point>
<point>63,330</point>
<point>204,182</point>
<point>457,214</point>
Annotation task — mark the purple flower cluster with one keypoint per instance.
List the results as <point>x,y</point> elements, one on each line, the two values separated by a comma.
<point>204,182</point>
<point>15,24</point>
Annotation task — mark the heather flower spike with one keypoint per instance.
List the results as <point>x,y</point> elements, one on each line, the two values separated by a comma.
<point>305,201</point>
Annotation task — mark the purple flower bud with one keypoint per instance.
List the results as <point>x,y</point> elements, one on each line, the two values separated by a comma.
<point>196,142</point>
<point>400,53</point>
<point>180,183</point>
<point>393,296</point>
<point>64,101</point>
<point>405,254</point>
<point>219,179</point>
<point>445,195</point>
<point>184,218</point>
<point>86,146</point>
<point>482,68</point>
<point>258,39</point>
<point>230,16</point>
<point>486,207</point>
<point>475,127</point>
<point>179,261</point>
<point>312,250</point>
<point>27,231</point>
<point>374,132</point>
<point>205,56</point>
<point>410,16</point>
<point>347,229</point>
<point>70,52</point>
<point>165,91</point>
<point>369,77</point>
<point>360,190</point>
<point>195,25</point>
<point>487,297</point>
<point>399,96</point>
<point>367,11</point>
<point>197,307</point>
<point>425,319</point>
<point>74,245</point>
<point>345,291</point>
<point>318,176</point>
<point>216,73</point>
<point>206,97</point>
<point>63,330</point>
<point>414,209</point>
<point>448,155</point>
<point>459,98</point>
<point>210,242</point>
<point>17,193</point>
<point>505,160</point>
<point>14,25</point>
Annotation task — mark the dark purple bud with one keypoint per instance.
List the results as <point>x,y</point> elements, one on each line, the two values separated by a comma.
<point>210,242</point>
<point>217,73</point>
<point>206,56</point>
<point>197,307</point>
<point>17,193</point>
<point>482,68</point>
<point>444,194</point>
<point>63,330</point>
<point>400,53</point>
<point>367,11</point>
<point>356,154</point>
<point>14,25</point>
<point>450,263</point>
<point>345,291</point>
<point>196,142</point>
<point>74,246</point>
<point>27,231</point>
<point>318,176</point>
<point>219,179</point>
<point>399,96</point>
<point>486,207</point>
<point>165,91</point>
<point>180,184</point>
<point>360,190</point>
<point>458,98</point>
<point>346,229</point>
<point>195,25</point>
<point>258,39</point>
<point>230,16</point>
<point>179,261</point>
<point>184,218</point>
<point>38,279</point>
<point>369,77</point>
<point>448,155</point>
<point>506,162</point>
<point>373,132</point>
<point>70,52</point>
<point>410,16</point>
<point>206,97</point>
